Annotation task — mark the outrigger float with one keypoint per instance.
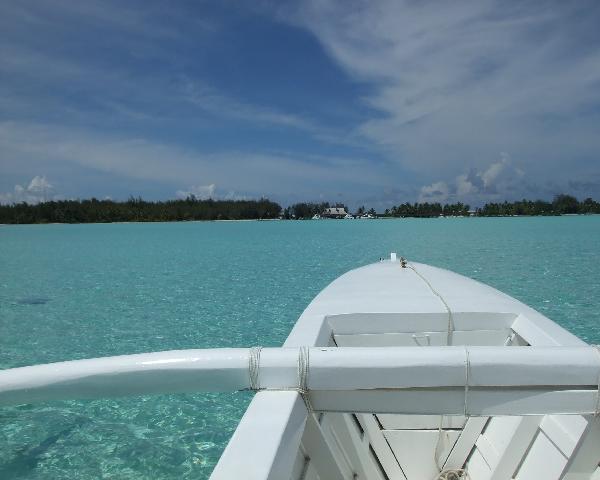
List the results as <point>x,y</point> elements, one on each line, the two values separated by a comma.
<point>396,370</point>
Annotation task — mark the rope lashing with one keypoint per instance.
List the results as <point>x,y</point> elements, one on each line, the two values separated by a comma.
<point>303,373</point>
<point>254,368</point>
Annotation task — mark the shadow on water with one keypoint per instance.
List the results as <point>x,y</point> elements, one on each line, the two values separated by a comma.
<point>26,459</point>
<point>33,301</point>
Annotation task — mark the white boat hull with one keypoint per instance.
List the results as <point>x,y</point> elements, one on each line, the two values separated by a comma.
<point>385,305</point>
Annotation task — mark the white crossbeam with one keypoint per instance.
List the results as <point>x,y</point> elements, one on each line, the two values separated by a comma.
<point>391,379</point>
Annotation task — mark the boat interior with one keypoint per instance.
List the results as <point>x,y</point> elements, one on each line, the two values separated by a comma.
<point>387,446</point>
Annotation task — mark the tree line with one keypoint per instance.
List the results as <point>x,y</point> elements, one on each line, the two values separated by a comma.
<point>138,210</point>
<point>560,205</point>
<point>307,210</point>
<point>426,209</point>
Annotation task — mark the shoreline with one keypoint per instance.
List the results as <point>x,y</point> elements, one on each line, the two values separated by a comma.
<point>301,220</point>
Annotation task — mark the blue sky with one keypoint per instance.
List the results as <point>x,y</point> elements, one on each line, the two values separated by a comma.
<point>372,103</point>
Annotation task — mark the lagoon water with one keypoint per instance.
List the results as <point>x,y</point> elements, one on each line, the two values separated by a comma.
<point>78,291</point>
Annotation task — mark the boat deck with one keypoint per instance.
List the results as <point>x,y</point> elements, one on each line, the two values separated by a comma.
<point>386,305</point>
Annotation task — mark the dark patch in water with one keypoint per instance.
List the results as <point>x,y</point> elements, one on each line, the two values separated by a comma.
<point>33,301</point>
<point>25,460</point>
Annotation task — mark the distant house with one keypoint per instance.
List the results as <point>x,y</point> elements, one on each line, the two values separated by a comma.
<point>334,212</point>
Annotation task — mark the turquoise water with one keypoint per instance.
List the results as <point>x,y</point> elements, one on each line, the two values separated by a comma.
<point>77,291</point>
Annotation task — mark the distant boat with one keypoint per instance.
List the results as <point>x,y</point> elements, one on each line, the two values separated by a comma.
<point>316,216</point>
<point>396,370</point>
<point>348,217</point>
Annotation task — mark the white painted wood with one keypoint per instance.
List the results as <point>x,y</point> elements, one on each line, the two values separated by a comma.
<point>375,438</point>
<point>393,301</point>
<point>378,323</point>
<point>533,333</point>
<point>331,368</point>
<point>321,453</point>
<point>311,473</point>
<point>543,460</point>
<point>539,331</point>
<point>447,401</point>
<point>268,436</point>
<point>489,451</point>
<point>367,467</point>
<point>498,435</point>
<point>466,442</point>
<point>530,401</point>
<point>564,431</point>
<point>519,341</point>
<point>420,422</point>
<point>510,457</point>
<point>345,443</point>
<point>415,450</point>
<point>586,456</point>
<point>529,366</point>
<point>300,465</point>
<point>346,435</point>
<point>478,467</point>
<point>424,339</point>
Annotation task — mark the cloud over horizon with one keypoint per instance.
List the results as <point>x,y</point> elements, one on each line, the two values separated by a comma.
<point>498,181</point>
<point>201,192</point>
<point>38,190</point>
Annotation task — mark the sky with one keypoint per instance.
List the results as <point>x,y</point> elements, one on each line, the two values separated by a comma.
<point>363,102</point>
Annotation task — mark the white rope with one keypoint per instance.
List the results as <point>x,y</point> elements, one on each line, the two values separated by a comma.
<point>437,294</point>
<point>303,373</point>
<point>436,452</point>
<point>254,368</point>
<point>453,474</point>
<point>438,443</point>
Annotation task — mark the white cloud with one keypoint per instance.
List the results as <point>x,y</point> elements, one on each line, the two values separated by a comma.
<point>210,100</point>
<point>39,185</point>
<point>499,180</point>
<point>38,190</point>
<point>237,173</point>
<point>201,192</point>
<point>456,82</point>
<point>436,192</point>
<point>232,195</point>
<point>120,92</point>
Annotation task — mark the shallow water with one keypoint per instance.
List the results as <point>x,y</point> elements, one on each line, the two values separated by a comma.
<point>77,291</point>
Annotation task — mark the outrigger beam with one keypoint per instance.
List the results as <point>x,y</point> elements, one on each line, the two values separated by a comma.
<point>451,380</point>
